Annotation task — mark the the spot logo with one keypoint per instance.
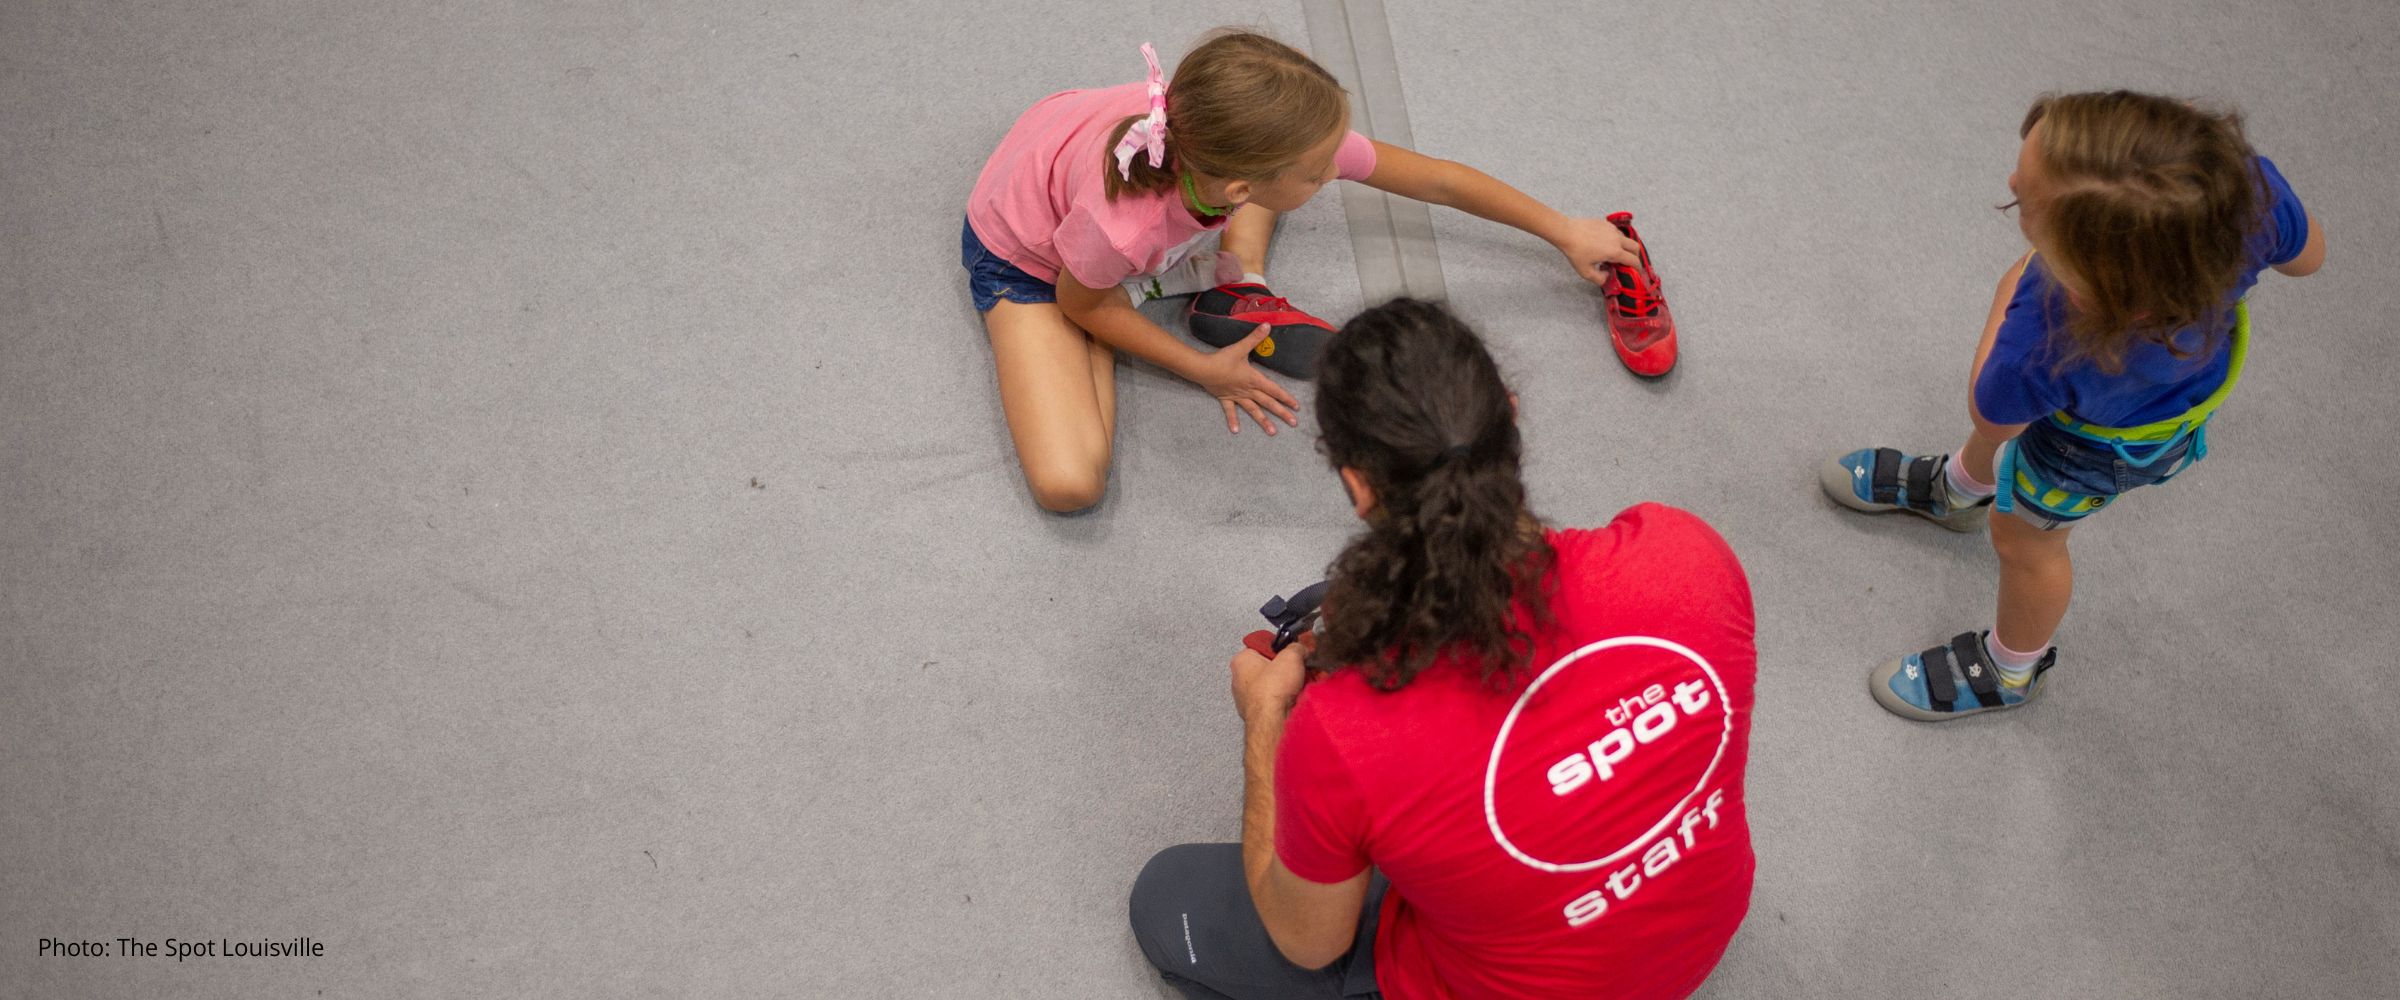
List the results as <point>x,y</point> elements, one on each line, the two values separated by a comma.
<point>1604,751</point>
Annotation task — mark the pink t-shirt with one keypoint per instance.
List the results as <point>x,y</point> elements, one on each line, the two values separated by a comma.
<point>1578,832</point>
<point>1042,204</point>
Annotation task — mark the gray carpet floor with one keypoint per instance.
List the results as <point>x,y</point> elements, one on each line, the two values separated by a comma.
<point>516,493</point>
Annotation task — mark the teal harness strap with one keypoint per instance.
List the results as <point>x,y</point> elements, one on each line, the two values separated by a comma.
<point>2197,430</point>
<point>2007,475</point>
<point>2051,499</point>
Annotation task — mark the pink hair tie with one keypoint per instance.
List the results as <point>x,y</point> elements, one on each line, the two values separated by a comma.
<point>1150,133</point>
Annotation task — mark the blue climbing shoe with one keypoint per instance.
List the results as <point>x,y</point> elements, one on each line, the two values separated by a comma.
<point>1882,480</point>
<point>1951,681</point>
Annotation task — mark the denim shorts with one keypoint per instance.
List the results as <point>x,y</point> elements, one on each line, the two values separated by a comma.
<point>993,279</point>
<point>2063,477</point>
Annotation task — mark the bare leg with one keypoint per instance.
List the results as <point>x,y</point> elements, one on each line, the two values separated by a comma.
<point>1981,452</point>
<point>2037,579</point>
<point>1058,390</point>
<point>2036,582</point>
<point>1246,237</point>
<point>1104,390</point>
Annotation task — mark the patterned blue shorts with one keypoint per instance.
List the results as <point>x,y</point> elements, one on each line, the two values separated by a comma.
<point>2062,477</point>
<point>993,279</point>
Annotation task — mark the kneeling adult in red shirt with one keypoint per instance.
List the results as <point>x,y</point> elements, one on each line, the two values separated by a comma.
<point>1519,773</point>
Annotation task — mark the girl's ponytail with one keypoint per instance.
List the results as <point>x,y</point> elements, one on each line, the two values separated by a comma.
<point>1144,178</point>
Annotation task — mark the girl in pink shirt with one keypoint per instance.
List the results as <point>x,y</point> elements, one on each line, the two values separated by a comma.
<point>1095,192</point>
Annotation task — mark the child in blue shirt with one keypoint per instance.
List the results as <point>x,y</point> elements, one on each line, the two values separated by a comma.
<point>2107,349</point>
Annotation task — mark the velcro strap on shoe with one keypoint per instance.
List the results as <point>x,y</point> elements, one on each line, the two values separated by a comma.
<point>1883,482</point>
<point>1940,689</point>
<point>1981,677</point>
<point>1920,481</point>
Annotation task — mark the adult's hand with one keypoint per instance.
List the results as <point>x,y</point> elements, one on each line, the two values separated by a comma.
<point>1266,688</point>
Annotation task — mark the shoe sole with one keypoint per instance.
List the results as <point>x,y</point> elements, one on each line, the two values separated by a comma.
<point>1297,345</point>
<point>1834,477</point>
<point>1879,684</point>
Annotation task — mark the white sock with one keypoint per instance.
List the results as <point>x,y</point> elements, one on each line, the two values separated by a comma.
<point>1964,490</point>
<point>1190,276</point>
<point>2016,669</point>
<point>1254,278</point>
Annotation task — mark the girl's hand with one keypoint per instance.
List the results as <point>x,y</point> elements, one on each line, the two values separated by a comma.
<point>1241,388</point>
<point>1588,243</point>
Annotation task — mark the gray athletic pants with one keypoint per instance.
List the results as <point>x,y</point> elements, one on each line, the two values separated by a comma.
<point>1193,916</point>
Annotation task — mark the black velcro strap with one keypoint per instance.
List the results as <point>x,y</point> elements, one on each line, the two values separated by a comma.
<point>1981,678</point>
<point>1883,482</point>
<point>1939,688</point>
<point>1920,481</point>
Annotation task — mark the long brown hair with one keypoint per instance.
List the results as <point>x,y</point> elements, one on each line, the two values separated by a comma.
<point>2149,206</point>
<point>1242,106</point>
<point>1407,395</point>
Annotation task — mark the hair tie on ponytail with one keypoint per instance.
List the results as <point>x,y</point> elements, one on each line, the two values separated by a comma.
<point>1149,135</point>
<point>1456,452</point>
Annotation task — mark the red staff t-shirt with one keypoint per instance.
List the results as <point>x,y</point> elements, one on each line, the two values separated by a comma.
<point>1576,831</point>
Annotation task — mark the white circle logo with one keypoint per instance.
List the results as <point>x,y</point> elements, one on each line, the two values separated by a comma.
<point>1644,721</point>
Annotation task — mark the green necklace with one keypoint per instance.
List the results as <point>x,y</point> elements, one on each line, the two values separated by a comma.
<point>1191,196</point>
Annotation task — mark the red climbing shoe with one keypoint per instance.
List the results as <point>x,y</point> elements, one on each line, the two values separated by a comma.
<point>1638,321</point>
<point>1223,315</point>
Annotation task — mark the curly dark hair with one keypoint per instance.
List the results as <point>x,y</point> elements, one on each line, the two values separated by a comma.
<point>1408,397</point>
